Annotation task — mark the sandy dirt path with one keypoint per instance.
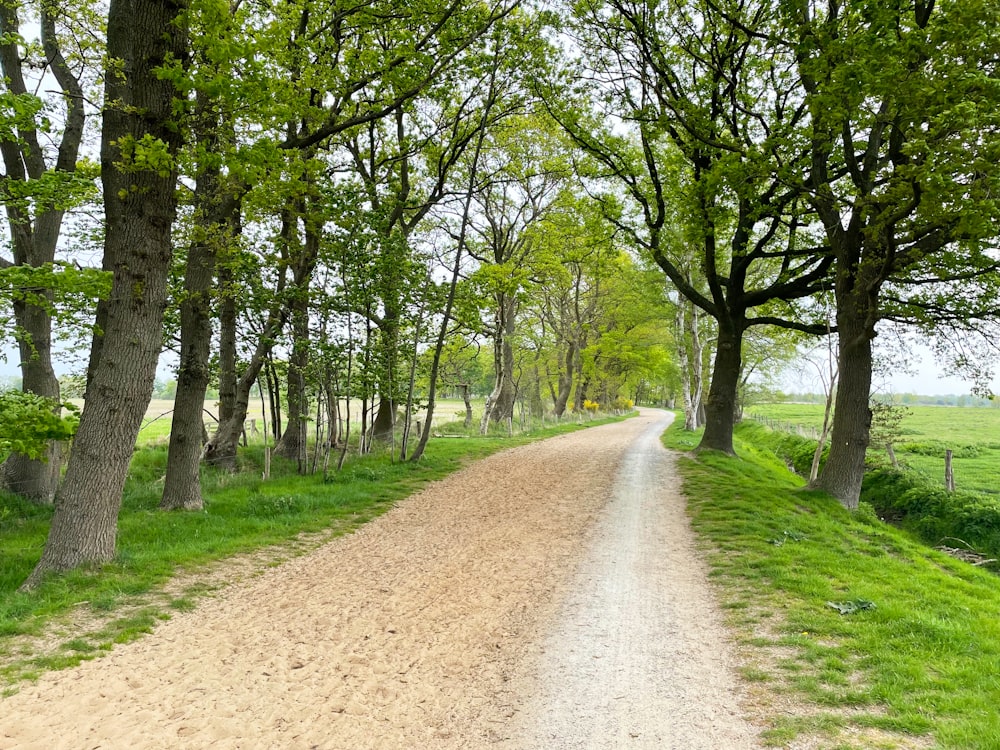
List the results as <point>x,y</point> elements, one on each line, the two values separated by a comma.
<point>433,627</point>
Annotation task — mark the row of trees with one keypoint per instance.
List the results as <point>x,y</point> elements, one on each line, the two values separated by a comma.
<point>326,201</point>
<point>336,193</point>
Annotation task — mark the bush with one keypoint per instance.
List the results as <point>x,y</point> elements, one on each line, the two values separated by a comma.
<point>912,501</point>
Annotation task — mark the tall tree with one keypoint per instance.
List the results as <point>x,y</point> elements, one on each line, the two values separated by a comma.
<point>523,178</point>
<point>214,225</point>
<point>39,185</point>
<point>690,115</point>
<point>139,141</point>
<point>903,137</point>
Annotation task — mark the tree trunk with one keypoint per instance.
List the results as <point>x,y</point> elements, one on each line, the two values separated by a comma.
<point>565,379</point>
<point>140,205</point>
<point>293,441</point>
<point>228,376</point>
<point>697,360</point>
<point>844,469</point>
<point>35,480</point>
<point>182,484</point>
<point>234,393</point>
<point>720,406</point>
<point>688,373</point>
<point>221,450</point>
<point>384,423</point>
<point>217,218</point>
<point>500,403</point>
<point>536,407</point>
<point>467,400</point>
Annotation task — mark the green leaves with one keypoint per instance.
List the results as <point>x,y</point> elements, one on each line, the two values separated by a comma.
<point>29,421</point>
<point>147,153</point>
<point>853,606</point>
<point>43,285</point>
<point>19,112</point>
<point>62,289</point>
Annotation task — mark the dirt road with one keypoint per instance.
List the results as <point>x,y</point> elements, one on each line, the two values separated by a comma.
<point>546,597</point>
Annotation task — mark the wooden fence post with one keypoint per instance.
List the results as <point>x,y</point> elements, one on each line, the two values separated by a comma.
<point>949,474</point>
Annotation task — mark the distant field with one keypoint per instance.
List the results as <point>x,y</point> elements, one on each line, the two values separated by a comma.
<point>925,433</point>
<point>156,423</point>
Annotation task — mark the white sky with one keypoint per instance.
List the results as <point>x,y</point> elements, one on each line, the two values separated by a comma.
<point>927,379</point>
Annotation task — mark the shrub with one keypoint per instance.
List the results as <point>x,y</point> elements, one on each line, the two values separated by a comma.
<point>912,501</point>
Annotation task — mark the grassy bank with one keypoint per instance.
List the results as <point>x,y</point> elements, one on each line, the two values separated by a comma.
<point>886,643</point>
<point>243,514</point>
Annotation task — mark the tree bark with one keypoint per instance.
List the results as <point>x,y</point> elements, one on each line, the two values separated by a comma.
<point>227,344</point>
<point>292,443</point>
<point>720,414</point>
<point>565,379</point>
<point>844,469</point>
<point>218,216</point>
<point>293,440</point>
<point>388,328</point>
<point>234,393</point>
<point>34,479</point>
<point>182,484</point>
<point>500,403</point>
<point>221,450</point>
<point>140,206</point>
<point>467,400</point>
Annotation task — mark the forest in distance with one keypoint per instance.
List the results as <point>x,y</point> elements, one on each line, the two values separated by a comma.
<point>353,208</point>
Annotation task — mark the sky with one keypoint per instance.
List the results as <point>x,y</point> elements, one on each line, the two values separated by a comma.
<point>928,380</point>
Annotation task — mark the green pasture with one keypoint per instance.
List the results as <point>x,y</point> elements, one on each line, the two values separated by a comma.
<point>155,426</point>
<point>925,433</point>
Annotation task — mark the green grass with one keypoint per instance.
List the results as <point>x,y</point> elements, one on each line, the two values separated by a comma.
<point>926,432</point>
<point>923,663</point>
<point>243,513</point>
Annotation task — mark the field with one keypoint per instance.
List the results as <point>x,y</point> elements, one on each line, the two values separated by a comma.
<point>156,423</point>
<point>925,433</point>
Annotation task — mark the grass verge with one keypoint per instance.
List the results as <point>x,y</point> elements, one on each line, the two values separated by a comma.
<point>164,559</point>
<point>886,643</point>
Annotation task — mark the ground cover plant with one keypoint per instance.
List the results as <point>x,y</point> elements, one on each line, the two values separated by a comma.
<point>244,513</point>
<point>890,643</point>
